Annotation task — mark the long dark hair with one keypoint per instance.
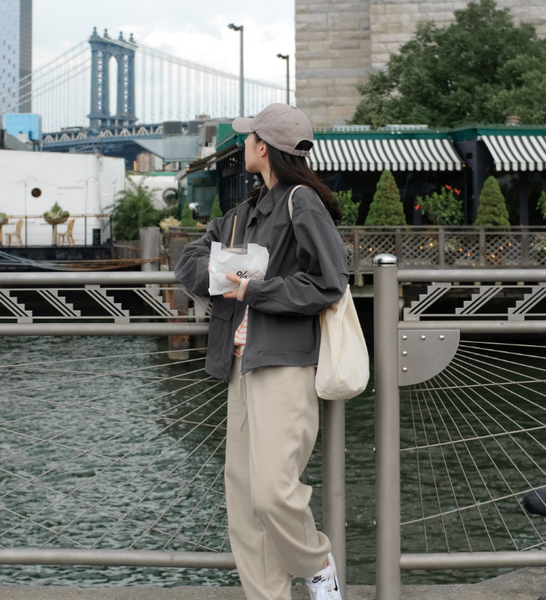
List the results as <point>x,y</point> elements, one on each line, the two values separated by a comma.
<point>295,170</point>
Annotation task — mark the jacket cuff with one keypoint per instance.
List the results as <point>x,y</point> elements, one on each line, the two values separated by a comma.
<point>252,291</point>
<point>242,289</point>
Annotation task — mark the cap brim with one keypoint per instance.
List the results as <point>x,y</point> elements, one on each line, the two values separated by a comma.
<point>242,124</point>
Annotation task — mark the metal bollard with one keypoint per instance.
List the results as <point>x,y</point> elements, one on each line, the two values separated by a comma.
<point>333,483</point>
<point>387,428</point>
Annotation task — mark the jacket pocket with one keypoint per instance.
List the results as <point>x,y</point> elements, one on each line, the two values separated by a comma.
<point>223,308</point>
<point>281,334</point>
<point>220,327</point>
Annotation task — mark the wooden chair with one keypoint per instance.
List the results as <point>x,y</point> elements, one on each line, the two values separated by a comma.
<point>67,235</point>
<point>15,234</point>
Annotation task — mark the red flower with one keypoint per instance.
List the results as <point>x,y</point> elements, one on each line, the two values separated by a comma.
<point>458,192</point>
<point>448,187</point>
<point>417,206</point>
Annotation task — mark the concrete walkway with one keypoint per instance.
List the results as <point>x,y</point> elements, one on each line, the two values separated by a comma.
<point>525,584</point>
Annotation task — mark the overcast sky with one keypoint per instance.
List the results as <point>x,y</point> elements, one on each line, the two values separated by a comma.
<point>193,30</point>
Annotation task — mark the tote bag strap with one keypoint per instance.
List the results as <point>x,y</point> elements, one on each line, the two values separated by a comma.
<point>291,203</point>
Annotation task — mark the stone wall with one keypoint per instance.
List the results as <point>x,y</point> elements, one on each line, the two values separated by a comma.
<point>338,43</point>
<point>333,56</point>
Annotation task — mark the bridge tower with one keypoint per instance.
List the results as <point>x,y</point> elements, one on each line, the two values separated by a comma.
<point>102,50</point>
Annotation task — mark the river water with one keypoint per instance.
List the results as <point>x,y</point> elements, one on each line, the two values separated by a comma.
<point>127,453</point>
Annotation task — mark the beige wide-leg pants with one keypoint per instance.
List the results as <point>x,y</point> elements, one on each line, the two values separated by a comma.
<point>273,421</point>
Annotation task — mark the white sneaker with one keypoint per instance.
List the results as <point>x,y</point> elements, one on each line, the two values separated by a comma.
<point>323,585</point>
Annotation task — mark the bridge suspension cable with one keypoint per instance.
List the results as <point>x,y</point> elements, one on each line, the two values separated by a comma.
<point>59,90</point>
<point>167,87</point>
<point>196,89</point>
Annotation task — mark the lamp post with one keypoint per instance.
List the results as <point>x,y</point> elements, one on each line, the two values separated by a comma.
<point>241,76</point>
<point>286,57</point>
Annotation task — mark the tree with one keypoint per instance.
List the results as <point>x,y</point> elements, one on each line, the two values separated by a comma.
<point>443,208</point>
<point>349,209</point>
<point>480,69</point>
<point>386,208</point>
<point>187,219</point>
<point>134,209</point>
<point>216,211</point>
<point>492,210</point>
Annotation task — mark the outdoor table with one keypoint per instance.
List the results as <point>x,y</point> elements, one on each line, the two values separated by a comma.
<point>54,223</point>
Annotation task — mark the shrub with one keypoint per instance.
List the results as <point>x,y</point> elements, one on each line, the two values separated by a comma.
<point>443,208</point>
<point>167,223</point>
<point>349,209</point>
<point>492,209</point>
<point>216,211</point>
<point>187,219</point>
<point>134,209</point>
<point>386,208</point>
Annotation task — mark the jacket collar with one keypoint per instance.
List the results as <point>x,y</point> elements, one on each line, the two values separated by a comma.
<point>269,198</point>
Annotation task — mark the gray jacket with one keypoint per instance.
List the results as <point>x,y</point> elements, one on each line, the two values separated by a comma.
<point>307,272</point>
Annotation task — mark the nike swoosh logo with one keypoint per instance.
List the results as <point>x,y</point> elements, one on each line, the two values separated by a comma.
<point>335,584</point>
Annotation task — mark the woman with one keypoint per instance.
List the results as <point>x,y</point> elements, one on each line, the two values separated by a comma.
<point>264,339</point>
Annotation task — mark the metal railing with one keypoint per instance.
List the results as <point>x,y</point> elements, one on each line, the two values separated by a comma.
<point>446,247</point>
<point>444,383</point>
<point>132,304</point>
<point>439,247</point>
<point>475,409</point>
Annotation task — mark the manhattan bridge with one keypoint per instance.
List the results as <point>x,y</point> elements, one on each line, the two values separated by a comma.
<point>73,95</point>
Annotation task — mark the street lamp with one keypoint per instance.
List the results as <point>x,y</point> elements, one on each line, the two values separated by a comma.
<point>241,77</point>
<point>286,57</point>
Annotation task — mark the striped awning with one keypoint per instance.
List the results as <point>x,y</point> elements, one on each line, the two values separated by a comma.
<point>517,152</point>
<point>379,154</point>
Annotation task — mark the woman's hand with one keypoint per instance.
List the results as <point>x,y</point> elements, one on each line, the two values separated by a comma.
<point>241,283</point>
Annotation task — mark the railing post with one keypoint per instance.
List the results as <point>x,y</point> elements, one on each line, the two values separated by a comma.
<point>441,248</point>
<point>524,247</point>
<point>482,260</point>
<point>333,483</point>
<point>398,244</point>
<point>356,257</point>
<point>387,428</point>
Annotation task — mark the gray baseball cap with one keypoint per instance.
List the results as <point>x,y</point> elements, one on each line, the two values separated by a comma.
<point>280,125</point>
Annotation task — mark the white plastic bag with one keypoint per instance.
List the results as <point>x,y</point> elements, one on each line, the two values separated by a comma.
<point>343,366</point>
<point>246,264</point>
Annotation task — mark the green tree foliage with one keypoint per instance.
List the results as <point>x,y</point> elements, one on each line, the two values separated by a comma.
<point>187,219</point>
<point>349,209</point>
<point>541,205</point>
<point>386,208</point>
<point>492,210</point>
<point>134,209</point>
<point>480,69</point>
<point>216,211</point>
<point>444,208</point>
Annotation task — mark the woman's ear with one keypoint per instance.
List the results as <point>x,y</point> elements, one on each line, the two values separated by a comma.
<point>262,149</point>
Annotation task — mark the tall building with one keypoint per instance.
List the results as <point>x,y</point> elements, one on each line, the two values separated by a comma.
<point>15,56</point>
<point>338,44</point>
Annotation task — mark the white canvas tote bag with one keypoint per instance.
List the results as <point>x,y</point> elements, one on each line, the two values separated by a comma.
<point>343,366</point>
